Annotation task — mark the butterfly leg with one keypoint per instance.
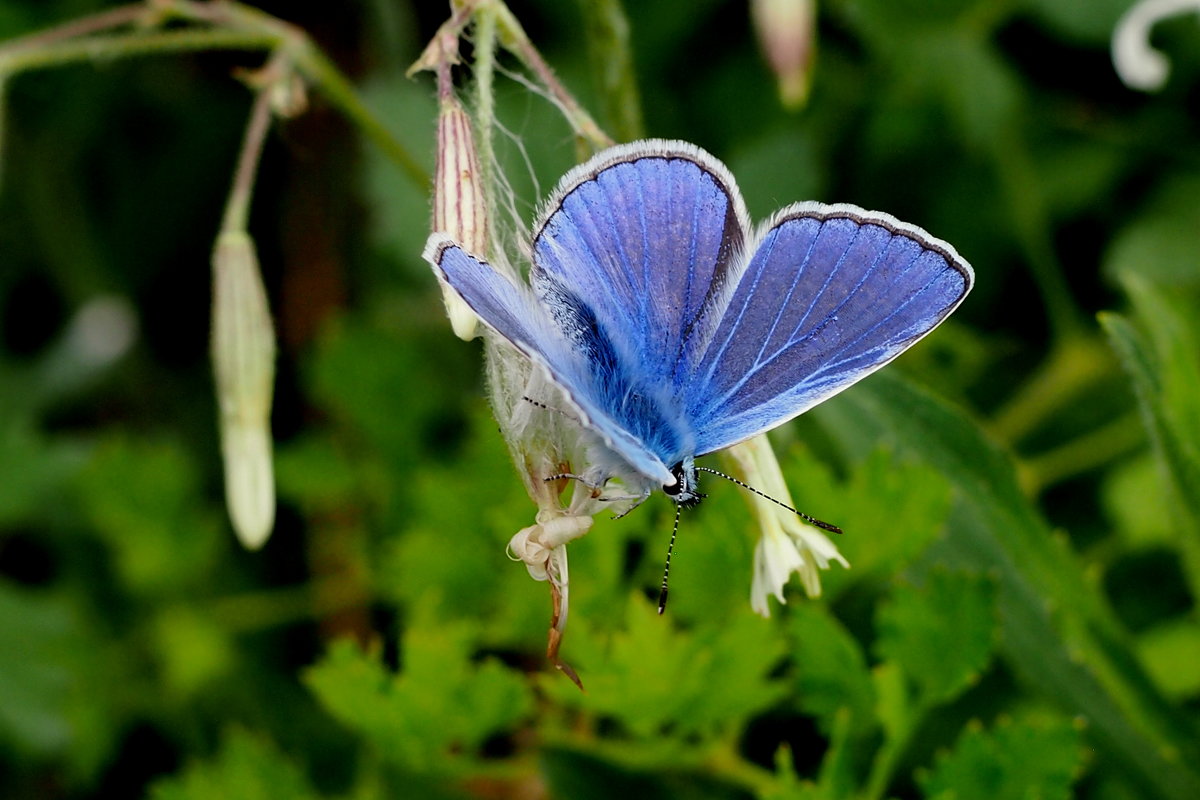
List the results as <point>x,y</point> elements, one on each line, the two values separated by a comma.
<point>596,483</point>
<point>637,500</point>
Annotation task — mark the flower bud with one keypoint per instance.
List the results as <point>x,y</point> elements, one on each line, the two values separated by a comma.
<point>459,204</point>
<point>786,32</point>
<point>243,353</point>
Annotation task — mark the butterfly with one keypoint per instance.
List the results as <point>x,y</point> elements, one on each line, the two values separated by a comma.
<point>675,329</point>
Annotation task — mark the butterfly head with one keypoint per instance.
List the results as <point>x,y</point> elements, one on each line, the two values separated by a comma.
<point>684,490</point>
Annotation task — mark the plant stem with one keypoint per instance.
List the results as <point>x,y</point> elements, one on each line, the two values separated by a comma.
<point>515,40</point>
<point>607,30</point>
<point>113,47</point>
<point>233,27</point>
<point>1072,364</point>
<point>237,208</point>
<point>485,101</point>
<point>1093,450</point>
<point>84,26</point>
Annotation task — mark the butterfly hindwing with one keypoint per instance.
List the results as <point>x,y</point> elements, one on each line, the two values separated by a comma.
<point>830,294</point>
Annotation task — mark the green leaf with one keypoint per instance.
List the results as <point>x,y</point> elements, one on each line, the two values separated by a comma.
<point>1160,243</point>
<point>1013,761</point>
<point>55,679</point>
<point>894,708</point>
<point>789,786</point>
<point>1167,381</point>
<point>1056,631</point>
<point>247,767</point>
<point>830,667</point>
<point>415,718</point>
<point>1163,648</point>
<point>941,633</point>
<point>656,679</point>
<point>144,499</point>
<point>890,509</point>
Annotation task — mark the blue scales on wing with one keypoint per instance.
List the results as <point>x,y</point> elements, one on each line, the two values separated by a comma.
<point>647,237</point>
<point>672,334</point>
<point>559,332</point>
<point>831,294</point>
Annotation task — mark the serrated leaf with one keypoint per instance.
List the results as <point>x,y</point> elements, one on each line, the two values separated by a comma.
<point>414,718</point>
<point>652,677</point>
<point>830,668</point>
<point>145,501</point>
<point>941,633</point>
<point>890,509</point>
<point>247,767</point>
<point>1056,631</point>
<point>1013,761</point>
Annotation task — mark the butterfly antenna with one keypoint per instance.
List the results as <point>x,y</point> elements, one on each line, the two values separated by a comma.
<point>662,595</point>
<point>825,526</point>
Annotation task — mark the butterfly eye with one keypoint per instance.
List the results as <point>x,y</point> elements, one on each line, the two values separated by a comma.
<point>680,482</point>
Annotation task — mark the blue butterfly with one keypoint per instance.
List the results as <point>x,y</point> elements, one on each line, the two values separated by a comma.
<point>675,329</point>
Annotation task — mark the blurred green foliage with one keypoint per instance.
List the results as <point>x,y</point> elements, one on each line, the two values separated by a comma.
<point>1020,494</point>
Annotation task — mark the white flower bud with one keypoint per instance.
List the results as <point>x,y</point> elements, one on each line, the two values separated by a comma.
<point>786,32</point>
<point>459,204</point>
<point>243,352</point>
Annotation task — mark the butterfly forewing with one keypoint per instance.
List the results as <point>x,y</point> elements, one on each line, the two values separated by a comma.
<point>831,294</point>
<point>584,364</point>
<point>642,236</point>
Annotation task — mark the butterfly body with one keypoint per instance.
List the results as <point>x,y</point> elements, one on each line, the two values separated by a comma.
<point>675,329</point>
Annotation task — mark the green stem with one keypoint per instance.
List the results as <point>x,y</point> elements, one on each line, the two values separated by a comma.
<point>1019,181</point>
<point>234,27</point>
<point>485,101</point>
<point>515,40</point>
<point>237,209</point>
<point>1093,450</point>
<point>607,30</point>
<point>84,26</point>
<point>888,757</point>
<point>112,47</point>
<point>1072,365</point>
